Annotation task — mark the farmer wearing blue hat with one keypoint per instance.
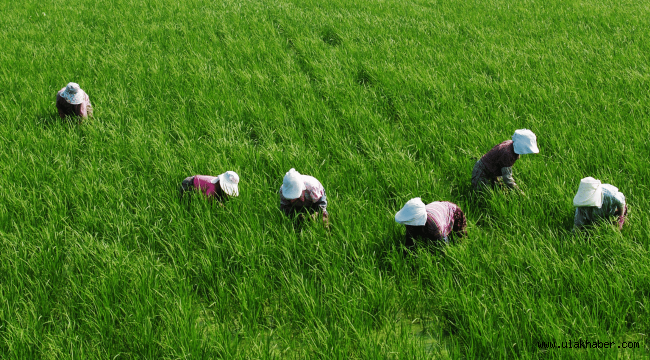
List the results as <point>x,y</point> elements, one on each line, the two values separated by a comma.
<point>73,101</point>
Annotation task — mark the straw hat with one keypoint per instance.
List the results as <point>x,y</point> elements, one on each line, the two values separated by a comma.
<point>525,142</point>
<point>413,213</point>
<point>73,94</point>
<point>292,185</point>
<point>228,182</point>
<point>590,193</point>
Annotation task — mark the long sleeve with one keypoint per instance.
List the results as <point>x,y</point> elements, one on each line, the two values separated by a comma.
<point>89,107</point>
<point>322,203</point>
<point>580,218</point>
<point>85,108</point>
<point>506,175</point>
<point>615,201</point>
<point>621,208</point>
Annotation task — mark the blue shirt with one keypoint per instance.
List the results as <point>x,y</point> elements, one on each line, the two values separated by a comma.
<point>613,200</point>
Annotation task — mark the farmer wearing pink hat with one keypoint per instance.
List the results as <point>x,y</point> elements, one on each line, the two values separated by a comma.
<point>497,163</point>
<point>435,221</point>
<point>595,202</point>
<point>302,193</point>
<point>217,187</point>
<point>72,101</point>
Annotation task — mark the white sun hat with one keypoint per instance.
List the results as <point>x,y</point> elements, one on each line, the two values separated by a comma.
<point>590,193</point>
<point>228,182</point>
<point>73,94</point>
<point>525,142</point>
<point>413,213</point>
<point>292,185</point>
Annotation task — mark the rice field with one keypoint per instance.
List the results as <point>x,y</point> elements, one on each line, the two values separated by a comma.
<point>382,101</point>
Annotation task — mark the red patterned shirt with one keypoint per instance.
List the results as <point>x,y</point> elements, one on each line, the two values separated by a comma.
<point>443,217</point>
<point>312,198</point>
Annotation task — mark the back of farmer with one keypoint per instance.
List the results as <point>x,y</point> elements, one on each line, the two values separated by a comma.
<point>595,202</point>
<point>497,163</point>
<point>214,187</point>
<point>435,221</point>
<point>73,101</point>
<point>302,193</point>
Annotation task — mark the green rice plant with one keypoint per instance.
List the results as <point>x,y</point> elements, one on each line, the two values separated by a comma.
<point>380,101</point>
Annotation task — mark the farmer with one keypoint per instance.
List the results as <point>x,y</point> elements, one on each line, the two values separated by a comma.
<point>217,187</point>
<point>72,101</point>
<point>303,193</point>
<point>595,201</point>
<point>497,163</point>
<point>435,221</point>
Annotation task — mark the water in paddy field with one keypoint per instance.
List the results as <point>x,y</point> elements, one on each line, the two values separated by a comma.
<point>427,334</point>
<point>424,336</point>
<point>423,332</point>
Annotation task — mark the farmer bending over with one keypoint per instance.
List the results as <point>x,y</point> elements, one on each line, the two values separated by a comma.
<point>497,163</point>
<point>217,187</point>
<point>72,101</point>
<point>595,201</point>
<point>303,193</point>
<point>435,221</point>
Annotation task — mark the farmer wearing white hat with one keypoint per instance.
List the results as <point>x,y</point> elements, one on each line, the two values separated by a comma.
<point>72,101</point>
<point>302,193</point>
<point>218,187</point>
<point>595,201</point>
<point>497,163</point>
<point>435,221</point>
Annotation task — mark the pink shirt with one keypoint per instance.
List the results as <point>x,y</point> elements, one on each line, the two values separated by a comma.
<point>206,184</point>
<point>442,214</point>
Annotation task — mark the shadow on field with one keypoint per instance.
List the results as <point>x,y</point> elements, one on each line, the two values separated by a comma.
<point>48,119</point>
<point>394,251</point>
<point>302,220</point>
<point>567,224</point>
<point>299,223</point>
<point>467,198</point>
<point>435,248</point>
<point>188,195</point>
<point>465,193</point>
<point>330,36</point>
